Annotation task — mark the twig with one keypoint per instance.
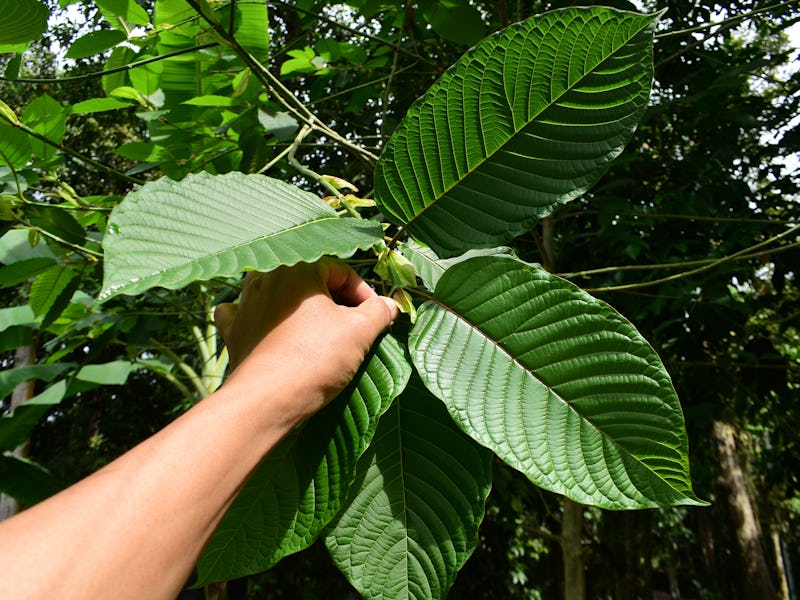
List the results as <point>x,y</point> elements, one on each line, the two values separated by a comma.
<point>73,153</point>
<point>128,67</point>
<point>675,265</point>
<point>715,263</point>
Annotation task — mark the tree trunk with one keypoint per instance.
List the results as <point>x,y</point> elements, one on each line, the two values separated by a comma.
<point>23,357</point>
<point>777,548</point>
<point>755,577</point>
<point>572,550</point>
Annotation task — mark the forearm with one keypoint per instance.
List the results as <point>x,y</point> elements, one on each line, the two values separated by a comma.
<point>137,527</point>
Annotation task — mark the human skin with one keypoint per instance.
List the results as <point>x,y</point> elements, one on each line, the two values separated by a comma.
<point>136,528</point>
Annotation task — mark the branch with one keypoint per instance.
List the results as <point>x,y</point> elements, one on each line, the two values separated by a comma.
<point>285,97</point>
<point>369,36</point>
<point>730,20</point>
<point>675,265</point>
<point>708,267</point>
<point>128,67</point>
<point>66,150</point>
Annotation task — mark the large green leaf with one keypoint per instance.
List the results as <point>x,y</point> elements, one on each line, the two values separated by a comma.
<point>527,120</point>
<point>556,382</point>
<point>23,20</point>
<point>413,513</point>
<point>26,480</point>
<point>171,233</point>
<point>430,267</point>
<point>95,42</point>
<point>120,13</point>
<point>16,426</point>
<point>15,146</point>
<point>302,483</point>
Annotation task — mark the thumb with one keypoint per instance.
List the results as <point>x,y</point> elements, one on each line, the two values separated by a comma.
<point>380,312</point>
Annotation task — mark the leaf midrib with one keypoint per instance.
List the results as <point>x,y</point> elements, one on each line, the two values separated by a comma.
<point>583,418</point>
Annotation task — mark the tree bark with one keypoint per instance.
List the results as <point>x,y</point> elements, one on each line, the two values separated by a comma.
<point>23,357</point>
<point>755,576</point>
<point>777,548</point>
<point>572,550</point>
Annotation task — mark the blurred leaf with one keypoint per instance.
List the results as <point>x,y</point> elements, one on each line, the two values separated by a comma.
<point>47,287</point>
<point>95,42</point>
<point>23,20</point>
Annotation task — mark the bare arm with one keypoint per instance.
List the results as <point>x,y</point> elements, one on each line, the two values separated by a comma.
<point>135,528</point>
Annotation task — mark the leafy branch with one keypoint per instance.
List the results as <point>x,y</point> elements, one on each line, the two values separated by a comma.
<point>120,69</point>
<point>272,84</point>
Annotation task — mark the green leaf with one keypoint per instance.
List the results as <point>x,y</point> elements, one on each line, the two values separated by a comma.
<point>47,288</point>
<point>16,316</point>
<point>15,337</point>
<point>119,57</point>
<point>430,267</point>
<point>527,120</point>
<point>110,373</point>
<point>17,426</point>
<point>15,147</point>
<point>23,20</point>
<point>140,151</point>
<point>47,117</point>
<point>14,247</point>
<point>56,221</point>
<point>94,105</point>
<point>456,21</point>
<point>413,513</point>
<point>16,273</point>
<point>556,382</point>
<point>281,124</point>
<point>252,27</point>
<point>25,480</point>
<point>171,233</point>
<point>118,12</point>
<point>303,482</point>
<point>11,378</point>
<point>210,100</point>
<point>7,113</point>
<point>95,42</point>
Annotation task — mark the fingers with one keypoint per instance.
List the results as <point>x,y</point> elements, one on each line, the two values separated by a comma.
<point>343,283</point>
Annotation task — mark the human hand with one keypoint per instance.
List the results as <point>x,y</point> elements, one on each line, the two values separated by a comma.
<point>312,323</point>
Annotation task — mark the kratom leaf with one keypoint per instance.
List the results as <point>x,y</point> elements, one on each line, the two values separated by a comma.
<point>15,147</point>
<point>16,273</point>
<point>16,426</point>
<point>17,316</point>
<point>120,12</point>
<point>93,105</point>
<point>48,286</point>
<point>556,382</point>
<point>170,233</point>
<point>527,120</point>
<point>430,267</point>
<point>46,116</point>
<point>11,378</point>
<point>251,28</point>
<point>95,42</point>
<point>303,482</point>
<point>25,480</point>
<point>455,20</point>
<point>23,20</point>
<point>413,514</point>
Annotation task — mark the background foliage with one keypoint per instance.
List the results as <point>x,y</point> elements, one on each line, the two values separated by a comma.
<point>691,234</point>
